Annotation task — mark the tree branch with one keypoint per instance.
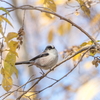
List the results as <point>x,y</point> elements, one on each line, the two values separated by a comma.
<point>86,48</point>
<point>29,7</point>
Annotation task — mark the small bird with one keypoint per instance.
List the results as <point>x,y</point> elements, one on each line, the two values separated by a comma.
<point>46,60</point>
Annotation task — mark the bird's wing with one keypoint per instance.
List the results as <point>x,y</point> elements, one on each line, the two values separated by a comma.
<point>39,56</point>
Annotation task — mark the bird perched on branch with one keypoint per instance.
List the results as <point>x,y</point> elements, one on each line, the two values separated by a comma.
<point>46,60</point>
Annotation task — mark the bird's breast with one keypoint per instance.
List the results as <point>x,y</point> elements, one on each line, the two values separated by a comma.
<point>47,62</point>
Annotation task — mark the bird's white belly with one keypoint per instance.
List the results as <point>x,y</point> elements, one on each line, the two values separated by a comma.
<point>47,62</point>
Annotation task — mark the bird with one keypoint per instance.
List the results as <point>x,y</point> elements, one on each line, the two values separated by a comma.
<point>46,60</point>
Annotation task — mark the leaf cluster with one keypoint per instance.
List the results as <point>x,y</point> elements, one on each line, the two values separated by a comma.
<point>13,41</point>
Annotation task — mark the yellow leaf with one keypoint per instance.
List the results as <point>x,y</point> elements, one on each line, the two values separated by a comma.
<point>96,19</point>
<point>86,43</point>
<point>5,10</point>
<point>77,13</point>
<point>84,7</point>
<point>5,19</point>
<point>50,35</point>
<point>61,29</point>
<point>1,20</point>
<point>51,6</point>
<point>64,28</point>
<point>32,95</point>
<point>10,59</point>
<point>7,80</point>
<point>9,63</point>
<point>77,57</point>
<point>90,42</point>
<point>83,44</point>
<point>67,27</point>
<point>11,35</point>
<point>1,29</point>
<point>58,2</point>
<point>14,52</point>
<point>13,45</point>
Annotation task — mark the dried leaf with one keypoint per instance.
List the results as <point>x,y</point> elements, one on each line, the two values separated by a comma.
<point>21,32</point>
<point>93,52</point>
<point>95,62</point>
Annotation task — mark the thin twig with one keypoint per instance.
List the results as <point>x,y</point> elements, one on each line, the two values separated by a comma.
<point>7,3</point>
<point>23,19</point>
<point>19,87</point>
<point>29,7</point>
<point>66,74</point>
<point>44,75</point>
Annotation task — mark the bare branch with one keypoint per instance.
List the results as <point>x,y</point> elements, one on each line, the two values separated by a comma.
<point>44,75</point>
<point>7,3</point>
<point>29,7</point>
<point>66,74</point>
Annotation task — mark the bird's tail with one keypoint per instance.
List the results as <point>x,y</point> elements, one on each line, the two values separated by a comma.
<point>23,62</point>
